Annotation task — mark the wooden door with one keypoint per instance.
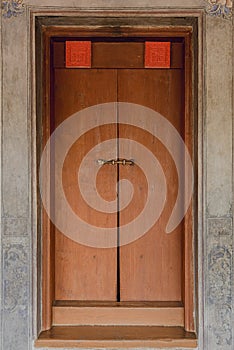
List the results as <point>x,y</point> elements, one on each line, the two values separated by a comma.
<point>150,268</point>
<point>82,272</point>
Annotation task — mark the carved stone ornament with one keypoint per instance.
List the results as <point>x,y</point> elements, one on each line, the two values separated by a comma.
<point>220,294</point>
<point>220,260</point>
<point>220,8</point>
<point>12,8</point>
<point>15,277</point>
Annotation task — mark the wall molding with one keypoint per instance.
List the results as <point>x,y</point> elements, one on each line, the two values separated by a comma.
<point>215,8</point>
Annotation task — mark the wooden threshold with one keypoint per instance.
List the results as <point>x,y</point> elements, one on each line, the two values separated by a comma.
<point>116,337</point>
<point>118,316</point>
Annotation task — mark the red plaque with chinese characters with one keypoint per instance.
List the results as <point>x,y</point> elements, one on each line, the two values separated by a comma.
<point>157,54</point>
<point>78,54</point>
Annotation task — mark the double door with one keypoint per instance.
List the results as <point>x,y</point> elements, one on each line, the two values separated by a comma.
<point>149,268</point>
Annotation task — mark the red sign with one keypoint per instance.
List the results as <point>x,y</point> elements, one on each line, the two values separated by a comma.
<point>157,54</point>
<point>78,54</point>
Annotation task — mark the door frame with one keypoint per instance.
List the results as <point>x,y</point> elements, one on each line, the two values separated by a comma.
<point>46,28</point>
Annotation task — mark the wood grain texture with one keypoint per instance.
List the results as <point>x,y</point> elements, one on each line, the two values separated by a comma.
<point>151,267</point>
<point>116,337</point>
<point>118,316</point>
<point>118,55</point>
<point>81,272</point>
<point>190,217</point>
<point>48,267</point>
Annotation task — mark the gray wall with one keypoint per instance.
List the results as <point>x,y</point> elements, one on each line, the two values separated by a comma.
<point>18,191</point>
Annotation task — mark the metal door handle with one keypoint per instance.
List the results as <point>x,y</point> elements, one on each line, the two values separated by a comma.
<point>115,161</point>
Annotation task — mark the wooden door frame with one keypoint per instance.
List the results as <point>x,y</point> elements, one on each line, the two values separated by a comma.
<point>90,26</point>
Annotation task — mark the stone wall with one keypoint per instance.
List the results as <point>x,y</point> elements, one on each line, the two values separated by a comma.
<point>18,178</point>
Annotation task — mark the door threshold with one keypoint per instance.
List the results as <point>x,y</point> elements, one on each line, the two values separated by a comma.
<point>116,337</point>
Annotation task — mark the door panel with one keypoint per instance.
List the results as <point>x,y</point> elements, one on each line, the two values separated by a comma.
<point>151,267</point>
<point>118,54</point>
<point>81,272</point>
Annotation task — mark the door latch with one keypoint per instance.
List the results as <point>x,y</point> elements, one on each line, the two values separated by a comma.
<point>115,162</point>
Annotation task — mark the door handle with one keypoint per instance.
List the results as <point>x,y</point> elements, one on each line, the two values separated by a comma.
<point>115,161</point>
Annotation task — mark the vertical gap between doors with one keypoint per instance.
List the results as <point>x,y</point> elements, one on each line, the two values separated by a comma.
<point>118,194</point>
